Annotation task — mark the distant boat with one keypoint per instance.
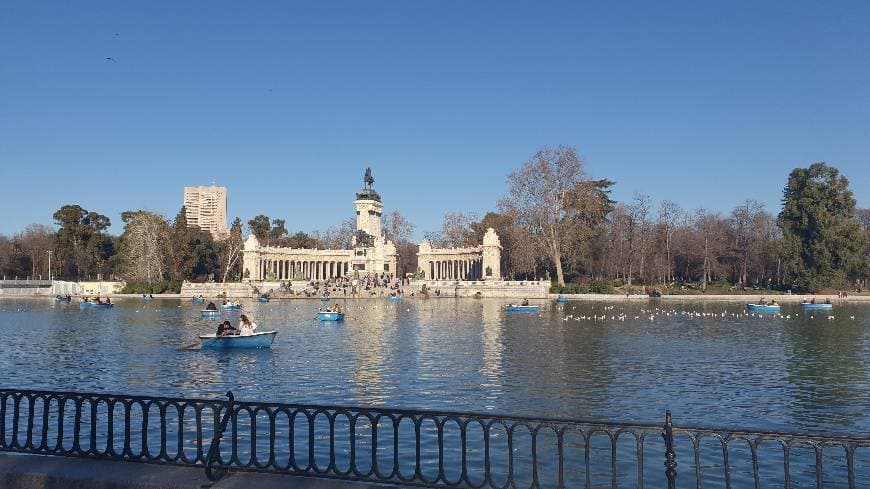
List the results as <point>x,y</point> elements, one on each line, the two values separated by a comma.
<point>324,298</point>
<point>62,299</point>
<point>515,308</point>
<point>146,297</point>
<point>197,300</point>
<point>561,300</point>
<point>394,298</point>
<point>231,306</point>
<point>330,316</point>
<point>254,340</point>
<point>763,307</point>
<point>210,313</point>
<point>95,305</point>
<point>814,306</point>
<point>264,300</point>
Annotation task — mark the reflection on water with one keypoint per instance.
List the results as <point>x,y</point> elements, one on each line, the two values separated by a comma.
<point>802,373</point>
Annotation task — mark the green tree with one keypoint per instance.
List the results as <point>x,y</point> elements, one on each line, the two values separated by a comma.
<point>303,240</point>
<point>260,227</point>
<point>81,245</point>
<point>181,258</point>
<point>822,238</point>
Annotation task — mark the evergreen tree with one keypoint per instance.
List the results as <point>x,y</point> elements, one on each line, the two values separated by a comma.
<point>822,238</point>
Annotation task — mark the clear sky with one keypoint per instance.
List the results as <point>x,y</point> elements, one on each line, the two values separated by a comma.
<point>286,103</point>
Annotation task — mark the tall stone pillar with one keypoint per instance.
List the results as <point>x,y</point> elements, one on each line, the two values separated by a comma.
<point>250,259</point>
<point>491,255</point>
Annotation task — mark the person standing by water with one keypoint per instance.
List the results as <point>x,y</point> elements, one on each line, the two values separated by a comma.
<point>246,326</point>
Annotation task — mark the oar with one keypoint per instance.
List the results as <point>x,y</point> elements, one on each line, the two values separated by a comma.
<point>189,345</point>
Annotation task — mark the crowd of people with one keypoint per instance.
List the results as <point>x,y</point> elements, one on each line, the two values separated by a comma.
<point>372,285</point>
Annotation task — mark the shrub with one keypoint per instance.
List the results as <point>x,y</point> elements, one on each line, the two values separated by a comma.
<point>601,287</point>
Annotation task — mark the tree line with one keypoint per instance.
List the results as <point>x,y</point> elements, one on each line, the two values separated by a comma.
<point>554,221</point>
<point>557,222</point>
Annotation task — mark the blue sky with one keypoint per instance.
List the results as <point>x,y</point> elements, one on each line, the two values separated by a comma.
<point>286,103</point>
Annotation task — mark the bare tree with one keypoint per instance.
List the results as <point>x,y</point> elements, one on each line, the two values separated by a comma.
<point>554,201</point>
<point>638,232</point>
<point>144,246</point>
<point>456,230</point>
<point>34,241</point>
<point>397,228</point>
<point>670,215</point>
<point>231,249</point>
<point>337,237</point>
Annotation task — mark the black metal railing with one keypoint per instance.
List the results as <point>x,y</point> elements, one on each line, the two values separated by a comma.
<point>420,448</point>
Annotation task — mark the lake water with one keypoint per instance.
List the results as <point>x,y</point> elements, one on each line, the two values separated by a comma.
<point>709,363</point>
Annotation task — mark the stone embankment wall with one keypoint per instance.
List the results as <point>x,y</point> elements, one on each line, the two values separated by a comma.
<point>511,289</point>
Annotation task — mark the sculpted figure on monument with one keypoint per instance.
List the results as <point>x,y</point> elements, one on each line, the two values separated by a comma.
<point>368,179</point>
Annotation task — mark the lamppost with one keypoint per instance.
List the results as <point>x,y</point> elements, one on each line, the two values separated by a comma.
<point>49,265</point>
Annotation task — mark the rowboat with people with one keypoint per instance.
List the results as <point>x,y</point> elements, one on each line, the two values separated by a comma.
<point>763,306</point>
<point>561,300</point>
<point>253,340</point>
<point>63,298</point>
<point>394,298</point>
<point>95,305</point>
<point>330,315</point>
<point>230,306</point>
<point>263,299</point>
<point>524,307</point>
<point>197,300</point>
<point>817,306</point>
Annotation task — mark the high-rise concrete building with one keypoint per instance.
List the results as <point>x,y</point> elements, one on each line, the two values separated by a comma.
<point>207,209</point>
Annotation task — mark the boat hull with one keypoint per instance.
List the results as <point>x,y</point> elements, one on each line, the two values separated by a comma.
<point>231,308</point>
<point>762,308</point>
<point>817,307</point>
<point>561,301</point>
<point>394,299</point>
<point>330,316</point>
<point>256,340</point>
<point>206,313</point>
<point>197,300</point>
<point>264,300</point>
<point>522,308</point>
<point>93,305</point>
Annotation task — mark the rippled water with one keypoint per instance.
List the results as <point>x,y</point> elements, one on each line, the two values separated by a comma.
<point>804,373</point>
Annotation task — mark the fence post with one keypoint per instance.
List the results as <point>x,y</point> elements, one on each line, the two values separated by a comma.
<point>670,455</point>
<point>214,448</point>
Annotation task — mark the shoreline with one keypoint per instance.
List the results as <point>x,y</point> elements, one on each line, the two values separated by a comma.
<point>745,298</point>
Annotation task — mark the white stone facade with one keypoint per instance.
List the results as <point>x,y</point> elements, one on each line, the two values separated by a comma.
<point>371,252</point>
<point>476,263</point>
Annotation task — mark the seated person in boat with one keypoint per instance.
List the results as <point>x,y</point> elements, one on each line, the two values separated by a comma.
<point>108,300</point>
<point>774,303</point>
<point>211,307</point>
<point>827,300</point>
<point>762,302</point>
<point>246,326</point>
<point>336,308</point>
<point>226,329</point>
<point>525,302</point>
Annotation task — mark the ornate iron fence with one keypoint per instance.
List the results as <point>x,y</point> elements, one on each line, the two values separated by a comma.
<point>420,448</point>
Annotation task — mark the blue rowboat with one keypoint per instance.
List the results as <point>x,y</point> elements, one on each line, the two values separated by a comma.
<point>231,307</point>
<point>62,299</point>
<point>513,308</point>
<point>146,298</point>
<point>810,306</point>
<point>264,300</point>
<point>324,299</point>
<point>94,305</point>
<point>330,316</point>
<point>762,308</point>
<point>209,313</point>
<point>255,340</point>
<point>197,300</point>
<point>394,298</point>
<point>561,300</point>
